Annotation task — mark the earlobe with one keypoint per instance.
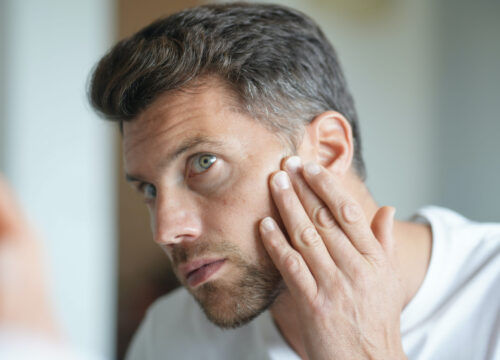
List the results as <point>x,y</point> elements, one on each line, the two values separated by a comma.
<point>331,139</point>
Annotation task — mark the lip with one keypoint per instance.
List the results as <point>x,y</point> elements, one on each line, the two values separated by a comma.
<point>198,271</point>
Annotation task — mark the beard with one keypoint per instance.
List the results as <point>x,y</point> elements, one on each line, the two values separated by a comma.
<point>233,303</point>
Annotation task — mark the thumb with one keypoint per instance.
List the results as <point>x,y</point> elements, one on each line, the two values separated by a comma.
<point>382,225</point>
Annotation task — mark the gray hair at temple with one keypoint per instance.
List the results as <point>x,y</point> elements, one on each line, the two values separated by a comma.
<point>276,61</point>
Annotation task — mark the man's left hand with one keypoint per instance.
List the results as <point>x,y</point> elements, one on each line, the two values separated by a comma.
<point>340,271</point>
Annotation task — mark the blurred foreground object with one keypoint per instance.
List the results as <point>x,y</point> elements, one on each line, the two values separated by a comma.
<point>24,300</point>
<point>28,326</point>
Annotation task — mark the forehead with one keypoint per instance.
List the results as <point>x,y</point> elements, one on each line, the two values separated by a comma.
<point>173,108</point>
<point>207,111</point>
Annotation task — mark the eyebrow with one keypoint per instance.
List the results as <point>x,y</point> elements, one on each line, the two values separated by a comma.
<point>184,146</point>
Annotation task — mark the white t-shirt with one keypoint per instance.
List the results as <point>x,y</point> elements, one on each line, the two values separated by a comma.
<point>455,314</point>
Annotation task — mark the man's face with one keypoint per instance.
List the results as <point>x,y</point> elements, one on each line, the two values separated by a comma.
<point>203,168</point>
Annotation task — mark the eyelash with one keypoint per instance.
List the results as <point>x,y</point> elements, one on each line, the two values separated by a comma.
<point>142,185</point>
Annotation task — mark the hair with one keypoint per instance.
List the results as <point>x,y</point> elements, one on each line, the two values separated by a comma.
<point>276,61</point>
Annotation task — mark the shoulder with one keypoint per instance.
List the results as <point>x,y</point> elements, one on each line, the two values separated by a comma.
<point>451,227</point>
<point>463,251</point>
<point>459,292</point>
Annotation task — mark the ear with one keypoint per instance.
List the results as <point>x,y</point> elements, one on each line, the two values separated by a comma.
<point>330,138</point>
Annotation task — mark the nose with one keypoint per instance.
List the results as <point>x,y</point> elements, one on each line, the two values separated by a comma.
<point>175,220</point>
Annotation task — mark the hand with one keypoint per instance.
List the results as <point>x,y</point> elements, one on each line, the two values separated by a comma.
<point>24,302</point>
<point>339,270</point>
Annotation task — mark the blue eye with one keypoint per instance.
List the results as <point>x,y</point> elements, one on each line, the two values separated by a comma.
<point>202,162</point>
<point>149,191</point>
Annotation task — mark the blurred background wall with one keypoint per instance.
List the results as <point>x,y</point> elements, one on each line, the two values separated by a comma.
<point>3,36</point>
<point>59,157</point>
<point>468,134</point>
<point>425,76</point>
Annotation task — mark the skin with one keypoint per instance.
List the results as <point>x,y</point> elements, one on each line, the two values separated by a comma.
<point>347,277</point>
<point>213,214</point>
<point>340,273</point>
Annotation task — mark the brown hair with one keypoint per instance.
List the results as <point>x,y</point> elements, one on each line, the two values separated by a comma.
<point>276,60</point>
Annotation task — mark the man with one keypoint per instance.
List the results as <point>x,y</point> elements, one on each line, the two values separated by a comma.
<point>297,262</point>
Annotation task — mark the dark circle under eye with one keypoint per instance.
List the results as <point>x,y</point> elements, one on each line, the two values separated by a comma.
<point>205,161</point>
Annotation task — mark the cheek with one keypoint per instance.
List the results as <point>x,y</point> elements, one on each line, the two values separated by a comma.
<point>235,216</point>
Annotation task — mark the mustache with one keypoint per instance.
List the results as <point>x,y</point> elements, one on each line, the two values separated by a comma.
<point>182,254</point>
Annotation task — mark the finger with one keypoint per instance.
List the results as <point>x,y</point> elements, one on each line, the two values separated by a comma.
<point>288,261</point>
<point>11,218</point>
<point>382,225</point>
<point>303,235</point>
<point>338,245</point>
<point>345,209</point>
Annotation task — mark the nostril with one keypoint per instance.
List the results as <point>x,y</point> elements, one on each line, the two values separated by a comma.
<point>170,241</point>
<point>184,238</point>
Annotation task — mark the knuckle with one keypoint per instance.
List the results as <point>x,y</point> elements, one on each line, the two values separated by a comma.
<point>375,261</point>
<point>273,242</point>
<point>324,217</point>
<point>361,276</point>
<point>291,262</point>
<point>351,212</point>
<point>310,237</point>
<point>319,305</point>
<point>341,286</point>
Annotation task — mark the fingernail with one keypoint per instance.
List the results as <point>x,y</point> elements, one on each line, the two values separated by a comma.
<point>312,169</point>
<point>267,224</point>
<point>281,180</point>
<point>293,163</point>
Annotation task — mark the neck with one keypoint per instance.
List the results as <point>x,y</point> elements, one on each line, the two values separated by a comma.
<point>412,257</point>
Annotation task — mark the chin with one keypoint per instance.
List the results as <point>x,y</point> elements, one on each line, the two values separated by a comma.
<point>233,305</point>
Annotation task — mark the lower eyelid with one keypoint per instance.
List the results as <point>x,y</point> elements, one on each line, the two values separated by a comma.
<point>213,177</point>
